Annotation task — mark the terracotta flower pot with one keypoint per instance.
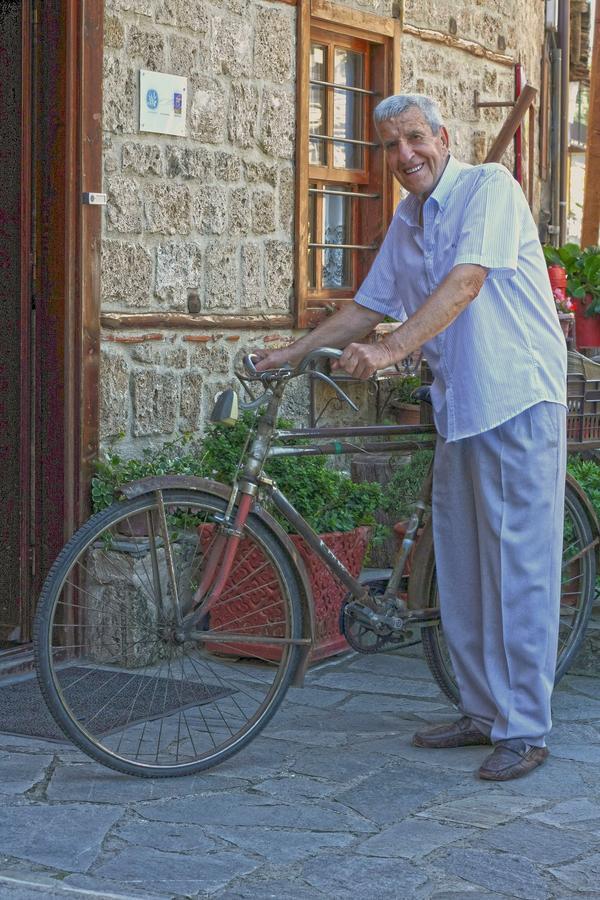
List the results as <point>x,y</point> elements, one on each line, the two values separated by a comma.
<point>587,327</point>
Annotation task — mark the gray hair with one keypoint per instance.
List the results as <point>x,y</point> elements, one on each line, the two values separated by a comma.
<point>392,107</point>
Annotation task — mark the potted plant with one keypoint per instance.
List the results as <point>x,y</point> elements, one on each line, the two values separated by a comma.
<point>400,400</point>
<point>341,511</point>
<point>582,269</point>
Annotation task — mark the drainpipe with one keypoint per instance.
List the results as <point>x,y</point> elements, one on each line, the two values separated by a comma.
<point>564,37</point>
<point>555,133</point>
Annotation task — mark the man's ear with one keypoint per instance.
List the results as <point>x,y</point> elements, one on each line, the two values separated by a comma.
<point>444,137</point>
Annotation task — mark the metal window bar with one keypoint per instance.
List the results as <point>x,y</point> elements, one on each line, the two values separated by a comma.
<point>358,194</point>
<point>346,87</point>
<point>345,246</point>
<point>344,140</point>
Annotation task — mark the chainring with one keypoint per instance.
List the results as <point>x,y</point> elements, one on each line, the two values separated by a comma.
<point>365,640</point>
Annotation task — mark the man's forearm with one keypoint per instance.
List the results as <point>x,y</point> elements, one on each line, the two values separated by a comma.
<point>445,304</point>
<point>351,323</point>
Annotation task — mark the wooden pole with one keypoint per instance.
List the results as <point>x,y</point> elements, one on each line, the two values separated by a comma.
<point>591,189</point>
<point>506,133</point>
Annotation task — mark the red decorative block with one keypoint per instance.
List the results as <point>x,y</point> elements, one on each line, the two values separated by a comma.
<point>250,598</point>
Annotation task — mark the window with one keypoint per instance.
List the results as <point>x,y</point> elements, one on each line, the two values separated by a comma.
<point>344,194</point>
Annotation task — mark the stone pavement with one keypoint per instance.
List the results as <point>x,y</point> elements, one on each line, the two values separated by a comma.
<point>331,801</point>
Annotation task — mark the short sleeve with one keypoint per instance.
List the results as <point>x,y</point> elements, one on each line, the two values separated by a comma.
<point>491,225</point>
<point>379,291</point>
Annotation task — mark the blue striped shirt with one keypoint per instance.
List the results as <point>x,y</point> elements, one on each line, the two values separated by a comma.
<point>506,350</point>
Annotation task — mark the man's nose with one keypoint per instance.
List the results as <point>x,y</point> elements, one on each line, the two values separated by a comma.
<point>403,152</point>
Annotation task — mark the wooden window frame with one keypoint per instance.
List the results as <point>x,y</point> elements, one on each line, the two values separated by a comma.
<point>382,36</point>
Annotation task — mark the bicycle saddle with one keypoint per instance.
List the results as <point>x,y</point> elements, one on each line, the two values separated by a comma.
<point>422,394</point>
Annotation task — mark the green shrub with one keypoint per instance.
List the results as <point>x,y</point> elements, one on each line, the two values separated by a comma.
<point>587,473</point>
<point>325,497</point>
<point>405,484</point>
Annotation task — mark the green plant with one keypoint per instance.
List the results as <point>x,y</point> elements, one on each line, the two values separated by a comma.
<point>403,389</point>
<point>405,484</point>
<point>583,272</point>
<point>327,498</point>
<point>587,473</point>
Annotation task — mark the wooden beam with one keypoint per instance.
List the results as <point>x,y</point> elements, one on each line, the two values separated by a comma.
<point>591,188</point>
<point>185,320</point>
<point>472,47</point>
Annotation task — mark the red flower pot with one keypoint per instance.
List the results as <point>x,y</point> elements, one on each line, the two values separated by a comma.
<point>587,328</point>
<point>258,604</point>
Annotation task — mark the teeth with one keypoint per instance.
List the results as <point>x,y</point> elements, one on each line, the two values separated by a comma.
<point>415,169</point>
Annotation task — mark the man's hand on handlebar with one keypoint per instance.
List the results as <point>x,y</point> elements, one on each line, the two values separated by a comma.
<point>363,360</point>
<point>274,359</point>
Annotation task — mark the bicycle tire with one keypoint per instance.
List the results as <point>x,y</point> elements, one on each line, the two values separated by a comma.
<point>422,591</point>
<point>104,641</point>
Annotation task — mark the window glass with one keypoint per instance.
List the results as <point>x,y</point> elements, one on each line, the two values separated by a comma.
<point>317,104</point>
<point>348,109</point>
<point>312,231</point>
<point>336,230</point>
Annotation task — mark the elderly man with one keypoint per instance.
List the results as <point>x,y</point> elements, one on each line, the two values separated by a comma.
<point>461,266</point>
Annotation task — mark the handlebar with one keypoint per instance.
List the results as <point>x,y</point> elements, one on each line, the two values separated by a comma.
<point>293,372</point>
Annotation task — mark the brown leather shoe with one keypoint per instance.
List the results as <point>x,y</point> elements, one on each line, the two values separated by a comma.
<point>512,759</point>
<point>462,733</point>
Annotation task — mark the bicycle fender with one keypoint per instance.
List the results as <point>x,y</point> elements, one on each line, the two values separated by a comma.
<point>194,483</point>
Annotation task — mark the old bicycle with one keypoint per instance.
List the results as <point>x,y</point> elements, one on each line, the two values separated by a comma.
<point>172,623</point>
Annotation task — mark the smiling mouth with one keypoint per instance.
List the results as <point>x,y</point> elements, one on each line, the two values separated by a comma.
<point>414,169</point>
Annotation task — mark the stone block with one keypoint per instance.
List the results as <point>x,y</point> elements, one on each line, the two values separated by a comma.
<point>126,274</point>
<point>278,116</point>
<point>209,210</point>
<point>242,115</point>
<point>231,47</point>
<point>155,402</point>
<point>114,395</point>
<point>263,211</point>
<point>124,206</point>
<point>239,211</point>
<point>147,47</point>
<point>167,208</point>
<point>114,32</point>
<point>118,92</point>
<point>191,400</point>
<point>186,162</point>
<point>479,147</point>
<point>274,45</point>
<point>139,7</point>
<point>143,159</point>
<point>208,114</point>
<point>287,191</point>
<point>221,288</point>
<point>279,274</point>
<point>190,14</point>
<point>178,270</point>
<point>252,276</point>
<point>228,166</point>
<point>257,171</point>
<point>183,55</point>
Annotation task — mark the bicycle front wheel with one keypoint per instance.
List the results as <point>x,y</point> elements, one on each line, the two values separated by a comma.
<point>114,674</point>
<point>578,583</point>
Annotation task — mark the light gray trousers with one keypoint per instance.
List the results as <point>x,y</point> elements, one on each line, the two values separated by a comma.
<point>498,502</point>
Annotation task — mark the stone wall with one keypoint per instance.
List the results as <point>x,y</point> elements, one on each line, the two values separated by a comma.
<point>205,222</point>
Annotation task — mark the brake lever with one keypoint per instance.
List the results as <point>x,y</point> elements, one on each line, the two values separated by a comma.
<point>343,396</point>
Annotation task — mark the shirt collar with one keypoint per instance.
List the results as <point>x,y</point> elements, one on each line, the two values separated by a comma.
<point>409,208</point>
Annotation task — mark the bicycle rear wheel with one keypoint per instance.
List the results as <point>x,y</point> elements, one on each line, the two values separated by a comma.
<point>112,672</point>
<point>577,594</point>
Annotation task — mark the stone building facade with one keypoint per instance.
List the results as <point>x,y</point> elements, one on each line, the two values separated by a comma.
<point>202,227</point>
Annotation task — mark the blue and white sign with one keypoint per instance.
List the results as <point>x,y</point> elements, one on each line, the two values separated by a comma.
<point>163,101</point>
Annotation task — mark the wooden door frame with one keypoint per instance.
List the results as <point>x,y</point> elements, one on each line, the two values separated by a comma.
<point>68,35</point>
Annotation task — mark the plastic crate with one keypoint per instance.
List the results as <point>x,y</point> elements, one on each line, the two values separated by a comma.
<point>583,402</point>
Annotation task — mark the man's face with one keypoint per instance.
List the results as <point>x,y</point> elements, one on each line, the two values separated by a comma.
<point>415,155</point>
